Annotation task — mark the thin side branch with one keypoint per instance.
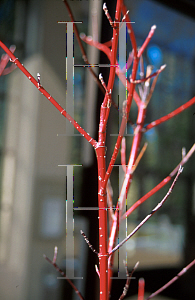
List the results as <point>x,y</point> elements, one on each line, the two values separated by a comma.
<point>151,90</point>
<point>97,270</point>
<point>129,172</point>
<point>170,115</point>
<point>182,272</point>
<point>150,76</point>
<point>88,243</point>
<point>126,287</point>
<point>147,40</point>
<point>105,9</point>
<point>139,158</point>
<point>159,205</point>
<point>161,184</point>
<point>55,254</point>
<point>130,31</point>
<point>63,274</point>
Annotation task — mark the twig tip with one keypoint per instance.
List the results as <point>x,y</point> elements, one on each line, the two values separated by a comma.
<point>100,76</point>
<point>163,67</point>
<point>180,169</point>
<point>183,151</point>
<point>82,35</point>
<point>97,270</point>
<point>13,48</point>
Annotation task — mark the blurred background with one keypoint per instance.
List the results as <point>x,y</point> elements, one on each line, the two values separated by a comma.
<point>36,146</point>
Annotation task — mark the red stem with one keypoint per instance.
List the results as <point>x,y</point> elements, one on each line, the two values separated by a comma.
<point>113,232</point>
<point>141,288</point>
<point>100,152</point>
<point>102,203</point>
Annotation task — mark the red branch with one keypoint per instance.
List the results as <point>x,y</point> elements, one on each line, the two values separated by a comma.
<point>157,207</point>
<point>48,96</point>
<point>3,63</point>
<point>170,115</point>
<point>182,272</point>
<point>141,288</point>
<point>63,274</point>
<point>126,288</point>
<point>160,185</point>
